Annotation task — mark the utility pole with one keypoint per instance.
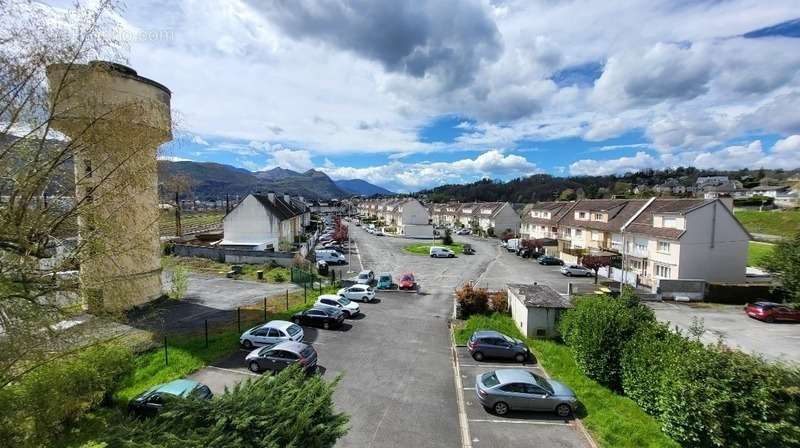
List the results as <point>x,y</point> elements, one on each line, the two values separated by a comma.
<point>178,230</point>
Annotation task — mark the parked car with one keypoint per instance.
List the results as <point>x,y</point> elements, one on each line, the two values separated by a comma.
<point>271,332</point>
<point>151,402</point>
<point>358,223</point>
<point>361,293</point>
<point>319,317</point>
<point>513,244</point>
<point>493,344</point>
<point>334,302</point>
<point>468,249</point>
<point>365,277</point>
<point>574,269</point>
<point>385,281</point>
<point>407,281</point>
<point>370,230</point>
<point>378,232</point>
<point>463,232</point>
<point>322,267</point>
<point>330,256</point>
<point>771,312</point>
<point>550,261</point>
<point>279,356</point>
<point>441,252</point>
<point>504,390</point>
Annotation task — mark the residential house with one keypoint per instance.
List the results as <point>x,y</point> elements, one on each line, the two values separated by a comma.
<point>684,239</point>
<point>497,216</point>
<point>262,222</point>
<point>592,226</point>
<point>540,222</point>
<point>407,215</point>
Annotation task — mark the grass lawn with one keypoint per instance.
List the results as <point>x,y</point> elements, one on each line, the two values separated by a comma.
<point>612,419</point>
<point>756,251</point>
<point>272,273</point>
<point>781,223</point>
<point>424,248</point>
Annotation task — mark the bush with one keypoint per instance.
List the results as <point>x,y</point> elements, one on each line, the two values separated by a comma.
<point>498,302</point>
<point>472,300</point>
<point>38,408</point>
<point>645,358</point>
<point>597,329</point>
<point>279,277</point>
<point>289,409</point>
<point>180,283</point>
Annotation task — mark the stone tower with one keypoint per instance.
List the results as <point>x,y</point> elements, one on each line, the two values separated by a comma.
<point>115,121</point>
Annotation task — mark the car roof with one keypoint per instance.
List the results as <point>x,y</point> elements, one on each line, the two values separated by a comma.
<point>327,310</point>
<point>488,334</point>
<point>766,304</point>
<point>279,324</point>
<point>359,286</point>
<point>506,376</point>
<point>365,271</point>
<point>329,297</point>
<point>177,387</point>
<point>290,346</point>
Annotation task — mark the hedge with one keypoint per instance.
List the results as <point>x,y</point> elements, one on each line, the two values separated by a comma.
<point>703,396</point>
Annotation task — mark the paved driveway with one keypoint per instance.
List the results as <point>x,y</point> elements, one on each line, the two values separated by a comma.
<point>776,341</point>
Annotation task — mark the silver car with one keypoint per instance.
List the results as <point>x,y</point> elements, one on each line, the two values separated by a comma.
<point>573,269</point>
<point>504,390</point>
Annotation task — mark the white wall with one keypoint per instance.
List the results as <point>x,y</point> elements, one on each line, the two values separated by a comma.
<point>726,260</point>
<point>250,223</point>
<point>418,231</point>
<point>506,218</point>
<point>414,213</point>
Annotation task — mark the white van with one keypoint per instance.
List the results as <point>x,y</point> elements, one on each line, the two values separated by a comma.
<point>513,244</point>
<point>330,256</point>
<point>441,252</point>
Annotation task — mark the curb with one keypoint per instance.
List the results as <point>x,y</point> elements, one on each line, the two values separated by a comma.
<point>466,440</point>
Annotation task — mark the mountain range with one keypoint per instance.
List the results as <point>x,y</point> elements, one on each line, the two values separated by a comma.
<point>215,180</point>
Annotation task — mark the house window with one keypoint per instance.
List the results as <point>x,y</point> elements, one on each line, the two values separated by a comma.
<point>641,246</point>
<point>663,271</point>
<point>670,222</point>
<point>597,216</point>
<point>636,265</point>
<point>597,236</point>
<point>663,247</point>
<point>581,215</point>
<point>578,233</point>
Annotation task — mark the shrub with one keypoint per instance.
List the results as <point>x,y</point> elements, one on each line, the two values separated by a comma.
<point>597,329</point>
<point>472,300</point>
<point>652,350</point>
<point>498,302</point>
<point>284,410</point>
<point>180,283</point>
<point>279,277</point>
<point>38,407</point>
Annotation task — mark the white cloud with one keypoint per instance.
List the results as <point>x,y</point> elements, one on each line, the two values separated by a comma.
<point>199,140</point>
<point>400,176</point>
<point>591,167</point>
<point>295,160</point>
<point>174,158</point>
<point>604,129</point>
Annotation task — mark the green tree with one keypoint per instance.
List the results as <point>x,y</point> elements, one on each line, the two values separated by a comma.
<point>784,262</point>
<point>447,239</point>
<point>180,282</point>
<point>289,410</point>
<point>567,195</point>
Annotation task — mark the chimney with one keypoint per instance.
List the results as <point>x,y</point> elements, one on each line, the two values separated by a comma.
<point>271,196</point>
<point>287,198</point>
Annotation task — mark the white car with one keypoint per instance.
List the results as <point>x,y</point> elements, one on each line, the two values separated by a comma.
<point>361,293</point>
<point>573,269</point>
<point>271,332</point>
<point>365,277</point>
<point>334,302</point>
<point>378,232</point>
<point>441,252</point>
<point>463,232</point>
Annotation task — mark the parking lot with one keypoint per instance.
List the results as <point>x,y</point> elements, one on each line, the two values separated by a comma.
<point>396,361</point>
<point>515,429</point>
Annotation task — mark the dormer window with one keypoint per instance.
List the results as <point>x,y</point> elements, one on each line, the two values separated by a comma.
<point>581,215</point>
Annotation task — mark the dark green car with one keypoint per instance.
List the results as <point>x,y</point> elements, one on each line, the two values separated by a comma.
<point>153,400</point>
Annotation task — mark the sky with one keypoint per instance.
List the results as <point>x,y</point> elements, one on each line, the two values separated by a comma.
<point>409,95</point>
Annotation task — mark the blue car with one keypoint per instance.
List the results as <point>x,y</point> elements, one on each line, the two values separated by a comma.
<point>152,401</point>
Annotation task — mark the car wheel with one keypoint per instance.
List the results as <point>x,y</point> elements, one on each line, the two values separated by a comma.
<point>247,343</point>
<point>477,356</point>
<point>568,274</point>
<point>296,320</point>
<point>520,357</point>
<point>500,408</point>
<point>769,319</point>
<point>563,410</point>
<point>254,367</point>
<point>433,256</point>
<point>326,325</point>
<point>451,256</point>
<point>365,299</point>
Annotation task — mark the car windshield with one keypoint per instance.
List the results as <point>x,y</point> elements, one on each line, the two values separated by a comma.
<point>511,340</point>
<point>407,278</point>
<point>363,276</point>
<point>344,301</point>
<point>264,350</point>
<point>307,352</point>
<point>386,278</point>
<point>293,330</point>
<point>490,379</point>
<point>542,382</point>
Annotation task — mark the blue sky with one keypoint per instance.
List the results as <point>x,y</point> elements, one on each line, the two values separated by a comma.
<point>410,95</point>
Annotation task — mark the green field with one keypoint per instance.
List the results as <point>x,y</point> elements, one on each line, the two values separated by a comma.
<point>780,223</point>
<point>190,221</point>
<point>272,273</point>
<point>756,251</point>
<point>612,419</point>
<point>424,248</point>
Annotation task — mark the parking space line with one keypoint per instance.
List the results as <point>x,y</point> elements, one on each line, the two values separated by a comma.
<point>244,372</point>
<point>468,388</point>
<point>503,366</point>
<point>517,422</point>
<point>466,441</point>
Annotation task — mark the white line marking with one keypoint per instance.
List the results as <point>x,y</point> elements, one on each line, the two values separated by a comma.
<point>518,422</point>
<point>468,388</point>
<point>466,441</point>
<point>358,254</point>
<point>243,372</point>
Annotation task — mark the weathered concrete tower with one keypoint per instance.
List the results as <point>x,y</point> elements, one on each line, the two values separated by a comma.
<point>115,120</point>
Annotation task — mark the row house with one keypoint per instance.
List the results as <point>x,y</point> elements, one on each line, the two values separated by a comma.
<point>498,216</point>
<point>659,238</point>
<point>408,215</point>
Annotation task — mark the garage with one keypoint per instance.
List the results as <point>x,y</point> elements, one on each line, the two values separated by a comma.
<point>536,309</point>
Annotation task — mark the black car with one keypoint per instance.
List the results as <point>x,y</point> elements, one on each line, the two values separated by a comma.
<point>550,261</point>
<point>318,317</point>
<point>493,344</point>
<point>153,401</point>
<point>277,357</point>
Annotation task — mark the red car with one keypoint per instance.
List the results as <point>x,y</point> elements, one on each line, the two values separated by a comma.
<point>770,312</point>
<point>407,281</point>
